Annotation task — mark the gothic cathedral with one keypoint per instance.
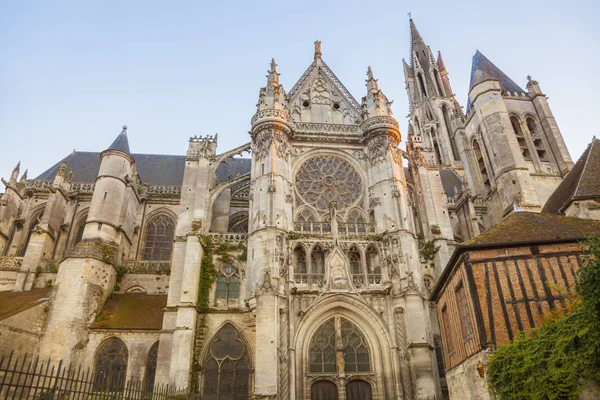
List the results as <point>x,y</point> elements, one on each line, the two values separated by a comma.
<point>303,272</point>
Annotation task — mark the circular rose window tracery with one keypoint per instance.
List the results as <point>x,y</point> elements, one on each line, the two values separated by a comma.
<point>323,179</point>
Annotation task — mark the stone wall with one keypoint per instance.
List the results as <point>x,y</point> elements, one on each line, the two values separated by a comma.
<point>21,332</point>
<point>465,382</point>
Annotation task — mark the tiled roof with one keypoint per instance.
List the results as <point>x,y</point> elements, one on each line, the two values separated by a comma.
<point>483,69</point>
<point>154,169</point>
<point>132,311</point>
<point>12,303</point>
<point>582,182</point>
<point>523,226</point>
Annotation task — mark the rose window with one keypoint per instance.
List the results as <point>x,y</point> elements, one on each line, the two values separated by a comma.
<point>324,179</point>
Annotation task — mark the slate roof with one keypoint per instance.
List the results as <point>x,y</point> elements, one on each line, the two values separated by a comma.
<point>12,303</point>
<point>121,142</point>
<point>524,227</point>
<point>582,182</point>
<point>483,70</point>
<point>132,311</point>
<point>154,169</point>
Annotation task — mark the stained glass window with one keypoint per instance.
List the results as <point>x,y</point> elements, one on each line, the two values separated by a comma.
<point>159,238</point>
<point>356,222</point>
<point>322,349</point>
<point>228,283</point>
<point>323,179</point>
<point>226,367</point>
<point>111,365</point>
<point>338,333</point>
<point>300,256</point>
<point>354,257</point>
<point>304,220</point>
<point>356,353</point>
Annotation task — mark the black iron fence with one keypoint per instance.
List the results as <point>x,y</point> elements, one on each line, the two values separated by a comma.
<point>30,378</point>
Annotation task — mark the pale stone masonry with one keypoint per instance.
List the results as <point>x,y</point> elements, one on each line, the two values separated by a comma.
<point>326,243</point>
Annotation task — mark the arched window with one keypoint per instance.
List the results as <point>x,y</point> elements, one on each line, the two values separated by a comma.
<point>356,222</point>
<point>34,220</point>
<point>446,114</point>
<point>300,258</point>
<point>438,82</point>
<point>422,85</point>
<point>79,228</point>
<point>151,367</point>
<point>228,284</point>
<point>110,365</point>
<point>537,139</point>
<point>338,333</point>
<point>158,243</point>
<point>355,265</point>
<point>226,367</point>
<point>317,260</point>
<point>304,221</point>
<point>516,125</point>
<point>372,256</point>
<point>482,168</point>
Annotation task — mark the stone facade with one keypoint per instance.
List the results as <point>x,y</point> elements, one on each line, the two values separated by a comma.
<point>325,247</point>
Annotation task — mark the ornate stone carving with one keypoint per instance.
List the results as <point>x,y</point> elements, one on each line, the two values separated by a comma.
<point>403,354</point>
<point>265,138</point>
<point>323,179</point>
<point>163,190</point>
<point>284,386</point>
<point>314,128</point>
<point>281,114</point>
<point>378,149</point>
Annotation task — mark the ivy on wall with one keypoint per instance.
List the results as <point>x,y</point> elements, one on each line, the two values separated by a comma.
<point>562,357</point>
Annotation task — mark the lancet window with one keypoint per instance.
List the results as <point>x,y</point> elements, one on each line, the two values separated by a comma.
<point>356,223</point>
<point>226,369</point>
<point>485,178</point>
<point>110,365</point>
<point>158,242</point>
<point>537,139</point>
<point>228,284</point>
<point>446,114</point>
<point>79,228</point>
<point>305,221</point>
<point>524,147</point>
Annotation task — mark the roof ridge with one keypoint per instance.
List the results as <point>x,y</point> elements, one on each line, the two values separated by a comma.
<point>587,158</point>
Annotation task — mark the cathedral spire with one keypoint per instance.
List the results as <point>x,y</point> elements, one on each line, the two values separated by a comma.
<point>272,95</point>
<point>15,173</point>
<point>416,42</point>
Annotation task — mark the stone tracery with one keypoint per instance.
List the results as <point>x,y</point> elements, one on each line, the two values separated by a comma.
<point>323,179</point>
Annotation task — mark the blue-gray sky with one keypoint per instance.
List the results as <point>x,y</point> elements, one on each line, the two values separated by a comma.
<point>73,72</point>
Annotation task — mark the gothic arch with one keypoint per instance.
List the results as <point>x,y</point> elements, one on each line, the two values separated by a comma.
<point>373,328</point>
<point>33,220</point>
<point>158,235</point>
<point>223,351</point>
<point>110,364</point>
<point>78,227</point>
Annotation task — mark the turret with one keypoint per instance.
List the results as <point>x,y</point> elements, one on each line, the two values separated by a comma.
<point>88,274</point>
